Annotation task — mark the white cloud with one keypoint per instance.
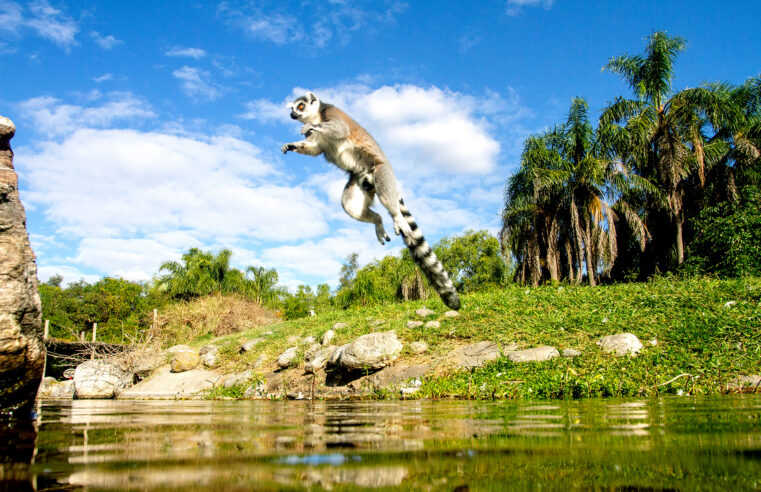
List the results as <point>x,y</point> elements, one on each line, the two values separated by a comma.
<point>196,53</point>
<point>69,272</point>
<point>316,26</point>
<point>105,42</point>
<point>51,23</point>
<point>197,83</point>
<point>53,118</point>
<point>515,7</point>
<point>103,78</point>
<point>40,17</point>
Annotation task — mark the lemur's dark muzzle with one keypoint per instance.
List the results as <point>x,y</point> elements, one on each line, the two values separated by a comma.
<point>294,115</point>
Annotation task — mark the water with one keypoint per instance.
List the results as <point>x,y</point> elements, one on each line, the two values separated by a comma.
<point>665,443</point>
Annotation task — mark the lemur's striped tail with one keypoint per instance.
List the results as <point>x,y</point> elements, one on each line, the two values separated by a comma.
<point>428,262</point>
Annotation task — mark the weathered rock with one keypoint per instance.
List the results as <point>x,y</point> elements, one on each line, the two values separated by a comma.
<point>745,383</point>
<point>250,344</point>
<point>293,340</point>
<point>451,314</point>
<point>209,355</point>
<point>319,360</point>
<point>311,351</point>
<point>147,361</point>
<point>371,351</point>
<point>414,324</point>
<point>22,353</point>
<point>339,326</point>
<point>234,379</point>
<point>327,337</point>
<point>393,376</point>
<point>176,349</point>
<point>569,352</point>
<point>165,384</point>
<point>288,358</point>
<point>418,347</point>
<point>423,312</point>
<point>258,390</point>
<point>475,355</point>
<point>308,340</point>
<point>621,344</point>
<point>377,322</point>
<point>100,379</point>
<point>336,355</point>
<point>185,361</point>
<point>432,324</point>
<point>535,354</point>
<point>56,390</point>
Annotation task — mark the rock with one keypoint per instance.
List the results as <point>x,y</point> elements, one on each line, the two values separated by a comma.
<point>319,360</point>
<point>423,312</point>
<point>100,379</point>
<point>432,325</point>
<point>176,349</point>
<point>371,351</point>
<point>339,326</point>
<point>165,384</point>
<point>336,355</point>
<point>52,389</point>
<point>376,323</point>
<point>569,352</point>
<point>288,358</point>
<point>250,344</point>
<point>620,345</point>
<point>311,351</point>
<point>258,390</point>
<point>235,379</point>
<point>185,361</point>
<point>146,361</point>
<point>414,324</point>
<point>327,337</point>
<point>535,354</point>
<point>209,355</point>
<point>745,383</point>
<point>308,340</point>
<point>22,352</point>
<point>293,340</point>
<point>475,355</point>
<point>392,376</point>
<point>451,314</point>
<point>418,347</point>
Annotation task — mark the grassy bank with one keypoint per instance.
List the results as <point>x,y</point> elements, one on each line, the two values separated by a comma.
<point>698,333</point>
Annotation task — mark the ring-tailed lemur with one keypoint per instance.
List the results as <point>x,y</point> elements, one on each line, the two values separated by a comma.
<point>331,132</point>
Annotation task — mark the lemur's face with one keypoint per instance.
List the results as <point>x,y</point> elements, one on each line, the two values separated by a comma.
<point>306,109</point>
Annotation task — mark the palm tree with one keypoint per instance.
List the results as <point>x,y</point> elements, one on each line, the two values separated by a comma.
<point>200,273</point>
<point>557,205</point>
<point>263,286</point>
<point>659,132</point>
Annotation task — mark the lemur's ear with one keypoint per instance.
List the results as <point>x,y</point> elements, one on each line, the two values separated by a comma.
<point>311,97</point>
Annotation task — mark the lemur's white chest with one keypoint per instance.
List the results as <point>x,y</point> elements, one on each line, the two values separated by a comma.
<point>343,154</point>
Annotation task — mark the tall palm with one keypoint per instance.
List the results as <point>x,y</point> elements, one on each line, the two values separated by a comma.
<point>659,132</point>
<point>200,273</point>
<point>263,284</point>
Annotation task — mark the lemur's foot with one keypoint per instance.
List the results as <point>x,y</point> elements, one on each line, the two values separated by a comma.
<point>402,227</point>
<point>380,232</point>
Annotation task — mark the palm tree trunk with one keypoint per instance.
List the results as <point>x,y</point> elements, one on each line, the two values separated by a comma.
<point>588,254</point>
<point>679,240</point>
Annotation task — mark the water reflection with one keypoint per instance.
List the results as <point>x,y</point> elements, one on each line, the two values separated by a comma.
<point>205,445</point>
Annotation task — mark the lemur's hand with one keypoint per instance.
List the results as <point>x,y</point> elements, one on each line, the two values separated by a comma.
<point>289,146</point>
<point>307,129</point>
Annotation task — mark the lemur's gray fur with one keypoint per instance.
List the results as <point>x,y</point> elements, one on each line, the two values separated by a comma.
<point>332,133</point>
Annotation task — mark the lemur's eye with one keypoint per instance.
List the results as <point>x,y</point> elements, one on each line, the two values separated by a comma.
<point>300,107</point>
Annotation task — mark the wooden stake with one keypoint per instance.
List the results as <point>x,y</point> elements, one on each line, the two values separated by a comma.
<point>47,329</point>
<point>94,333</point>
<point>155,317</point>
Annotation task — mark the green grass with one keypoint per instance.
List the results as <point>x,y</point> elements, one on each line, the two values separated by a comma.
<point>706,328</point>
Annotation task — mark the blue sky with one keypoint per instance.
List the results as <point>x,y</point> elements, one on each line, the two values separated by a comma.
<point>147,128</point>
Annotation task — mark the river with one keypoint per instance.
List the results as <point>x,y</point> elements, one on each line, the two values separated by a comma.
<point>680,443</point>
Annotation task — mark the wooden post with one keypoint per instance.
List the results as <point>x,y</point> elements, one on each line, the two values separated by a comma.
<point>47,330</point>
<point>94,333</point>
<point>155,318</point>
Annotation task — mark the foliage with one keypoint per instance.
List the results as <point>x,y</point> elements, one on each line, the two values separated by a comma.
<point>120,307</point>
<point>728,237</point>
<point>472,260</point>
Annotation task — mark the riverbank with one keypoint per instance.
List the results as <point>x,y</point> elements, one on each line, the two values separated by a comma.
<point>698,336</point>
